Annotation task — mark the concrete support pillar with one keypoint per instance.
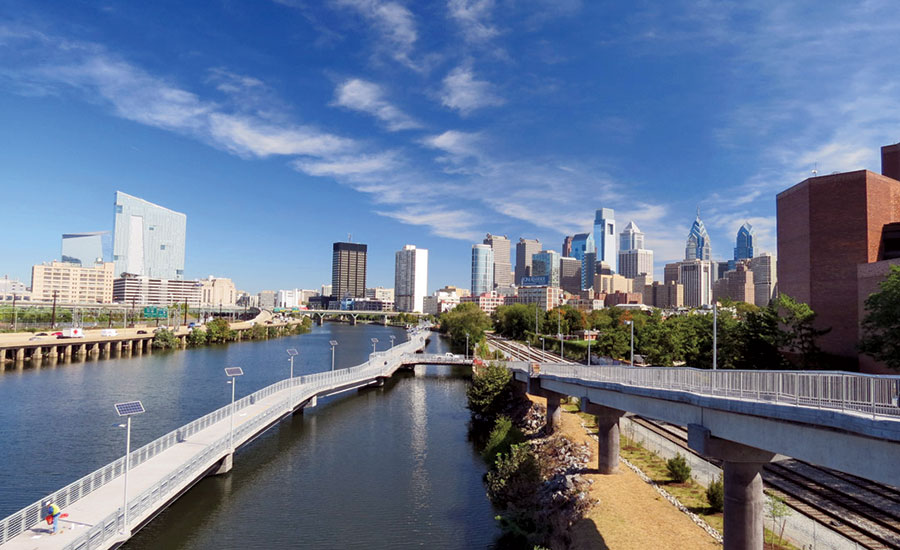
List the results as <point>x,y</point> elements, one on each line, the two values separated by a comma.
<point>20,354</point>
<point>148,344</point>
<point>118,347</point>
<point>81,349</point>
<point>607,435</point>
<point>744,499</point>
<point>226,465</point>
<point>96,348</point>
<point>554,412</point>
<point>67,350</point>
<point>384,320</point>
<point>353,320</point>
<point>137,347</point>
<point>37,354</point>
<point>53,353</point>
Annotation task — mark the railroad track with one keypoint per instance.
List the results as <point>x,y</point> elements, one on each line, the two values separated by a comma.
<point>861,510</point>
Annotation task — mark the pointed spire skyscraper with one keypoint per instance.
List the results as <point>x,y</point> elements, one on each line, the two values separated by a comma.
<point>697,247</point>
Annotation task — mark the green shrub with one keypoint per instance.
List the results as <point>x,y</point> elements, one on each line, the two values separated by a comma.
<point>503,436</point>
<point>164,339</point>
<point>715,495</point>
<point>490,392</point>
<point>197,337</point>
<point>257,332</point>
<point>515,477</point>
<point>679,469</point>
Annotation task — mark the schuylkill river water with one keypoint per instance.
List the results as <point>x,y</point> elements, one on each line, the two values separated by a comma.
<point>388,468</point>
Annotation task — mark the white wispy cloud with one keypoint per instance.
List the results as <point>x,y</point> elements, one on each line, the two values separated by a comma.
<point>368,97</point>
<point>463,92</point>
<point>395,24</point>
<point>474,18</point>
<point>360,166</point>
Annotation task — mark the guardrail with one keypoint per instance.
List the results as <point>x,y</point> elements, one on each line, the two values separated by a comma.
<point>843,391</point>
<point>17,523</point>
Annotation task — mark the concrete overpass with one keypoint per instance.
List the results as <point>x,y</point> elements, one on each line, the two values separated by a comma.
<point>319,314</point>
<point>844,421</point>
<point>166,468</point>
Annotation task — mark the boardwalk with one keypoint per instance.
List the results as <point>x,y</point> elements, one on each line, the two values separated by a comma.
<point>164,469</point>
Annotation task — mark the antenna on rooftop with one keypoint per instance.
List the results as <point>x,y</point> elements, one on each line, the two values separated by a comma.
<point>815,170</point>
<point>349,238</point>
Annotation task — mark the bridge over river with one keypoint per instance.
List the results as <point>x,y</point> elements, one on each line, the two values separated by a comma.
<point>161,471</point>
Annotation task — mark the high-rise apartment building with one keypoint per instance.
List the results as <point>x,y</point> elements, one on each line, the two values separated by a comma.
<point>698,247</point>
<point>696,276</point>
<point>743,246</point>
<point>570,275</point>
<point>588,269</point>
<point>73,283</point>
<point>668,295</point>
<point>567,247</point>
<point>764,278</point>
<point>737,284</point>
<point>411,278</point>
<point>380,293</point>
<point>348,270</point>
<point>546,264</point>
<point>634,259</point>
<point>525,250</point>
<point>148,239</point>
<point>672,273</point>
<point>582,243</point>
<point>503,277</point>
<point>144,291</point>
<point>86,249</point>
<point>605,236</point>
<point>482,269</point>
<point>267,299</point>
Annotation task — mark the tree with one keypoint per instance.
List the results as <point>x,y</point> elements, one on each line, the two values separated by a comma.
<point>679,469</point>
<point>490,392</point>
<point>197,337</point>
<point>257,332</point>
<point>465,319</point>
<point>517,320</point>
<point>218,330</point>
<point>715,495</point>
<point>881,325</point>
<point>164,339</point>
<point>798,320</point>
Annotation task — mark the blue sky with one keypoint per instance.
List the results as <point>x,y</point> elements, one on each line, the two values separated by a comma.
<point>280,127</point>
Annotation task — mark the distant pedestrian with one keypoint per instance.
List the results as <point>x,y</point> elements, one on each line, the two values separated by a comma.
<point>53,513</point>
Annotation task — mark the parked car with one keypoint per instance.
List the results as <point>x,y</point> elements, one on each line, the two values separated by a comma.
<point>109,332</point>
<point>142,332</point>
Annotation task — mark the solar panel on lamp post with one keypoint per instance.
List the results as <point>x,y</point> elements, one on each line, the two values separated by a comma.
<point>127,409</point>
<point>333,344</point>
<point>291,352</point>
<point>232,373</point>
<point>374,341</point>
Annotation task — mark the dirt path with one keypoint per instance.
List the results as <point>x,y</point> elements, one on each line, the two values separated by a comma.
<point>631,515</point>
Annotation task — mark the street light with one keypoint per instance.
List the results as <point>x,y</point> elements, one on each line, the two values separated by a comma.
<point>715,332</point>
<point>543,348</point>
<point>333,344</point>
<point>392,342</point>
<point>632,340</point>
<point>467,346</point>
<point>127,410</point>
<point>232,373</point>
<point>589,348</point>
<point>374,341</point>
<point>291,352</point>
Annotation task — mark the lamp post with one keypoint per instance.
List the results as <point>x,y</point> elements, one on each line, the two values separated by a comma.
<point>543,348</point>
<point>15,315</point>
<point>632,340</point>
<point>232,373</point>
<point>334,344</point>
<point>589,350</point>
<point>715,332</point>
<point>127,410</point>
<point>392,341</point>
<point>467,346</point>
<point>374,341</point>
<point>291,353</point>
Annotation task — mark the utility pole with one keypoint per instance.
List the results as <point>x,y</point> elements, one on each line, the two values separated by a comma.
<point>15,316</point>
<point>185,312</point>
<point>53,316</point>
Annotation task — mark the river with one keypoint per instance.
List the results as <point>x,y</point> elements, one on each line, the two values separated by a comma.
<point>388,468</point>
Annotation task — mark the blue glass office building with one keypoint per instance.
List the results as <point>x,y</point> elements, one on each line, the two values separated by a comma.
<point>482,269</point>
<point>86,249</point>
<point>148,239</point>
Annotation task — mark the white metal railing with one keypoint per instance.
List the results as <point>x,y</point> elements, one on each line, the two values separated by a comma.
<point>379,364</point>
<point>876,395</point>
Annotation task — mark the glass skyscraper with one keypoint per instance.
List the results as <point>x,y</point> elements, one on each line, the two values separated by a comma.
<point>605,236</point>
<point>743,249</point>
<point>86,249</point>
<point>148,239</point>
<point>582,243</point>
<point>546,264</point>
<point>697,247</point>
<point>482,269</point>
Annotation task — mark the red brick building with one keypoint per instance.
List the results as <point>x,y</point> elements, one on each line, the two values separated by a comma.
<point>827,227</point>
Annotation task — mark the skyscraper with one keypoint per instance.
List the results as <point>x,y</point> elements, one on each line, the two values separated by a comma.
<point>605,236</point>
<point>634,259</point>
<point>697,247</point>
<point>567,247</point>
<point>348,270</point>
<point>582,243</point>
<point>588,270</point>
<point>502,266</point>
<point>410,278</point>
<point>87,248</point>
<point>570,275</point>
<point>525,250</point>
<point>743,249</point>
<point>482,269</point>
<point>546,264</point>
<point>148,239</point>
<point>697,278</point>
<point>764,278</point>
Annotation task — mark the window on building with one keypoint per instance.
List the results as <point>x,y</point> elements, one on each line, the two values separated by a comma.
<point>162,246</point>
<point>118,209</point>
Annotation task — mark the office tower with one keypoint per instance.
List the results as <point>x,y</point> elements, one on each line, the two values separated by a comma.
<point>890,161</point>
<point>73,283</point>
<point>570,275</point>
<point>737,284</point>
<point>411,278</point>
<point>546,264</point>
<point>582,243</point>
<point>148,239</point>
<point>502,266</point>
<point>218,291</point>
<point>743,249</point>
<point>605,236</point>
<point>696,276</point>
<point>380,293</point>
<point>139,290</point>
<point>697,247</point>
<point>664,295</point>
<point>525,250</point>
<point>567,247</point>
<point>764,278</point>
<point>588,270</point>
<point>87,249</point>
<point>348,270</point>
<point>634,259</point>
<point>483,269</point>
<point>672,273</point>
<point>267,300</point>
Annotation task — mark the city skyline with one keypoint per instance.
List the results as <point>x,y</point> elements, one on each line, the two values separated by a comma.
<point>507,109</point>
